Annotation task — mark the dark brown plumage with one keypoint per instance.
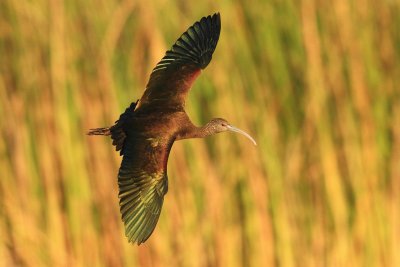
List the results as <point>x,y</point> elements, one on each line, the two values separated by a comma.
<point>145,132</point>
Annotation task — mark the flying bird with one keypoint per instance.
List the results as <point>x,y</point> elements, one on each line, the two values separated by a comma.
<point>145,132</point>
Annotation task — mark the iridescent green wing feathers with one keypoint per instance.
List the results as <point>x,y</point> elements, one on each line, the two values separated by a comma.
<point>173,76</point>
<point>143,182</point>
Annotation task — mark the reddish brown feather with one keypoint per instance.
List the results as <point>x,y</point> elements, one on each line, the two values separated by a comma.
<point>174,75</point>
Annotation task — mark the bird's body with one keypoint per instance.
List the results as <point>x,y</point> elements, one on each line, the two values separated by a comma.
<point>146,131</point>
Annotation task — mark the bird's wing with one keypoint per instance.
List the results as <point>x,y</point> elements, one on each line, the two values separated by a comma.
<point>143,182</point>
<point>173,76</point>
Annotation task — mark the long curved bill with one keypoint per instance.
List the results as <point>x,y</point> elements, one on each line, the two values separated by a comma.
<point>237,130</point>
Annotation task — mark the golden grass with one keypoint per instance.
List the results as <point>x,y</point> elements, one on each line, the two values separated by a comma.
<point>317,83</point>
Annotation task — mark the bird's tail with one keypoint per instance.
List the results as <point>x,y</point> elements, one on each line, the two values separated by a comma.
<point>100,131</point>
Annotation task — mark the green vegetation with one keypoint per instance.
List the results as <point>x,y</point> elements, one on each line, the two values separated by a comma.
<point>315,82</point>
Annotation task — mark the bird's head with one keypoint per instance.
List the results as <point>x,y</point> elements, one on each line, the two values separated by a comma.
<point>219,125</point>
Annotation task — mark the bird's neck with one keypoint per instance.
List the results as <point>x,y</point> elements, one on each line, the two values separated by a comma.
<point>195,132</point>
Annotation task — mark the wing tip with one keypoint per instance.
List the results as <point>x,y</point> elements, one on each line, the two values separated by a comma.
<point>141,197</point>
<point>212,24</point>
<point>139,232</point>
<point>216,18</point>
<point>196,45</point>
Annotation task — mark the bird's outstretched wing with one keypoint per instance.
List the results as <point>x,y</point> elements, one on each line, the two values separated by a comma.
<point>173,76</point>
<point>143,182</point>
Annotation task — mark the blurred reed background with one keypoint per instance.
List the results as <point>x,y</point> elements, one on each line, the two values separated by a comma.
<point>315,82</point>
